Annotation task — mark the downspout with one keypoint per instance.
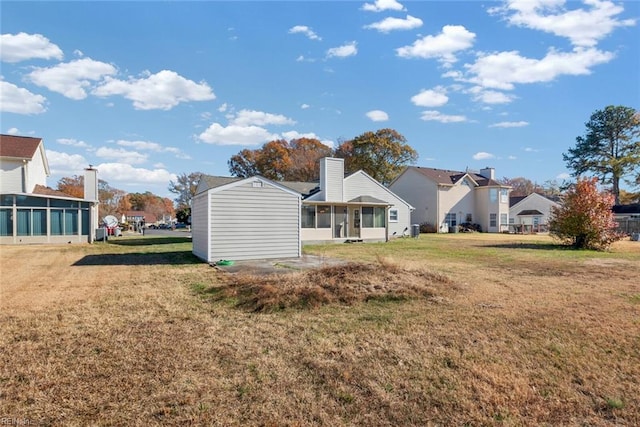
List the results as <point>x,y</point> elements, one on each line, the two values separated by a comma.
<point>25,174</point>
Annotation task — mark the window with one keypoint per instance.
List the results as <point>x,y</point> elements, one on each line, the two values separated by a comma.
<point>39,222</point>
<point>379,217</point>
<point>393,215</point>
<point>504,195</point>
<point>536,221</point>
<point>493,219</point>
<point>6,200</point>
<point>24,222</point>
<point>469,218</point>
<point>450,219</point>
<point>6,222</point>
<point>512,220</point>
<point>324,216</point>
<point>57,222</point>
<point>504,219</point>
<point>70,222</point>
<point>373,217</point>
<point>308,215</point>
<point>367,217</point>
<point>493,195</point>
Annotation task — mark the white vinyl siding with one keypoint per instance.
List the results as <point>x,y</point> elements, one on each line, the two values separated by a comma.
<point>332,182</point>
<point>244,220</point>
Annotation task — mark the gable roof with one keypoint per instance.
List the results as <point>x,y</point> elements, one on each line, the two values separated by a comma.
<point>528,212</point>
<point>19,147</point>
<point>208,182</point>
<point>513,201</point>
<point>450,177</point>
<point>304,188</point>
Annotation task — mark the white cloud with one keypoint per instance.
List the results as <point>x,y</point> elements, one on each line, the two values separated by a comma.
<point>452,39</point>
<point>305,106</point>
<point>152,146</point>
<point>13,131</point>
<point>437,116</point>
<point>391,24</point>
<point>505,69</point>
<point>14,99</point>
<point>343,51</point>
<point>435,97</point>
<point>378,116</point>
<point>483,155</point>
<point>72,142</point>
<point>303,29</point>
<point>23,46</point>
<point>236,135</point>
<point>223,107</point>
<point>531,150</point>
<point>582,26</point>
<point>161,91</point>
<point>563,176</point>
<point>512,157</point>
<point>380,5</point>
<point>259,118</point>
<point>72,79</point>
<point>509,124</point>
<point>491,96</point>
<point>125,173</point>
<point>128,157</point>
<point>65,164</point>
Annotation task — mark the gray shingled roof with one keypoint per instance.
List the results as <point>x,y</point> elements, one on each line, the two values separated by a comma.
<point>449,177</point>
<point>218,181</point>
<point>368,199</point>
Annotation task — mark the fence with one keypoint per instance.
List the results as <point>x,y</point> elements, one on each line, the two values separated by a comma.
<point>629,226</point>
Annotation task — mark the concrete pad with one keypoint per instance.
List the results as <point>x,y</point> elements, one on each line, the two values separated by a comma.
<point>279,265</point>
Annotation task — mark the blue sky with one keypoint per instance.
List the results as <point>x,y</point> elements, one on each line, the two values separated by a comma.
<point>145,91</point>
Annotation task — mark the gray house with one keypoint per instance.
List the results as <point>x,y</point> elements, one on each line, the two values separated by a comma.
<point>245,218</point>
<point>530,214</point>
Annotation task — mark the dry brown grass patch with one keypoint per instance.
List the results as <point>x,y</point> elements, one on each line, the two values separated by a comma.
<point>343,284</point>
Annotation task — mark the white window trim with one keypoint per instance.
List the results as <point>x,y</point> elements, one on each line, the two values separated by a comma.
<point>393,220</point>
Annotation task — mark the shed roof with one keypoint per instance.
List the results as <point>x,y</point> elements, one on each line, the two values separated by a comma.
<point>47,191</point>
<point>20,147</point>
<point>633,208</point>
<point>218,181</point>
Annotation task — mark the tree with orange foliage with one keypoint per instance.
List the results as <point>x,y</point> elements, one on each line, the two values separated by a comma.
<point>585,220</point>
<point>279,160</point>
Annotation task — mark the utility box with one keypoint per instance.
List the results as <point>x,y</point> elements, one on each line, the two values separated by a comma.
<point>101,234</point>
<point>415,230</point>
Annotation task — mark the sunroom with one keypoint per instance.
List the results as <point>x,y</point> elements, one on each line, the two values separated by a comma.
<point>364,218</point>
<point>35,218</point>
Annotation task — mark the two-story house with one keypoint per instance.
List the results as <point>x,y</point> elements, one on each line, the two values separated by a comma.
<point>30,212</point>
<point>445,198</point>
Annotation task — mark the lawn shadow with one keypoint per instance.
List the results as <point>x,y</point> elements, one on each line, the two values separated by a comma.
<point>541,246</point>
<point>140,258</point>
<point>149,241</point>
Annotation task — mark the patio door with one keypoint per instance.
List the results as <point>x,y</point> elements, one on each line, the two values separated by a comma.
<point>354,224</point>
<point>340,222</point>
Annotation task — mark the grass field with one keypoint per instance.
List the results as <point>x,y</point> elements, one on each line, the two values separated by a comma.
<point>468,329</point>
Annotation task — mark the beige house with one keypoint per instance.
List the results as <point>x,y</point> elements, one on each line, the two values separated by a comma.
<point>530,214</point>
<point>446,199</point>
<point>30,212</point>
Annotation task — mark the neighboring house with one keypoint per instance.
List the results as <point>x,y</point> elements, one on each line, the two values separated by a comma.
<point>139,219</point>
<point>30,212</point>
<point>241,219</point>
<point>445,199</point>
<point>627,217</point>
<point>530,213</point>
<point>252,218</point>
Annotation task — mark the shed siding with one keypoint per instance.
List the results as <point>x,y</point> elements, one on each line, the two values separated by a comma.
<point>248,222</point>
<point>199,230</point>
<point>534,202</point>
